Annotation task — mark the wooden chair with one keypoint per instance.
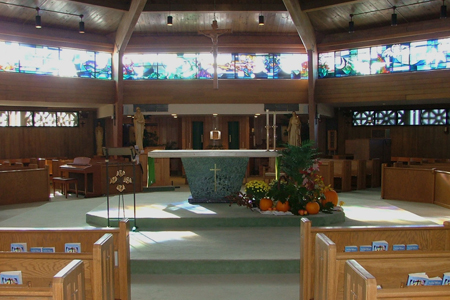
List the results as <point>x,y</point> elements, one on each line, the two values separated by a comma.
<point>65,184</point>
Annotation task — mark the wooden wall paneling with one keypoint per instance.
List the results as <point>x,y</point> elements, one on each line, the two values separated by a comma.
<point>384,87</point>
<point>410,141</point>
<point>26,142</point>
<point>202,92</point>
<point>44,90</point>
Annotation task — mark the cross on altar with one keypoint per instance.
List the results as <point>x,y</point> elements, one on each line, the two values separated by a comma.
<point>215,176</point>
<point>214,35</point>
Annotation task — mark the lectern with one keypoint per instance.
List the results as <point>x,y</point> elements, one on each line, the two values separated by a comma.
<point>121,179</point>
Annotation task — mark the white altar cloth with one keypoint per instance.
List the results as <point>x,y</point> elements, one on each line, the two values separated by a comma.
<point>212,153</point>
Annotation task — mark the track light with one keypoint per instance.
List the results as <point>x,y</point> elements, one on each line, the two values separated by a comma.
<point>81,25</point>
<point>38,18</point>
<point>261,20</point>
<point>394,17</point>
<point>169,20</point>
<point>351,25</point>
<point>443,10</point>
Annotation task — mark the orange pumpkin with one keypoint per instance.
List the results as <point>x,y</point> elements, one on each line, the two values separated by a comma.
<point>284,207</point>
<point>265,204</point>
<point>330,196</point>
<point>312,207</point>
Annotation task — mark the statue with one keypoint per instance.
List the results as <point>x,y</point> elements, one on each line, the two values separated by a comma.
<point>294,129</point>
<point>99,138</point>
<point>139,126</point>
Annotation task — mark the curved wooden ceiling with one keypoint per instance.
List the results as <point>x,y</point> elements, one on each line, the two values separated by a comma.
<point>326,16</point>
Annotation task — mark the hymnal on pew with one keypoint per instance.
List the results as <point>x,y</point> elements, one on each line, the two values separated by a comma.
<point>72,247</point>
<point>446,279</point>
<point>415,279</point>
<point>11,277</point>
<point>380,246</point>
<point>18,247</point>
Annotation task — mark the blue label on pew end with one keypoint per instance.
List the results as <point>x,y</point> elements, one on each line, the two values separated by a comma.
<point>351,249</point>
<point>365,248</point>
<point>412,247</point>
<point>399,247</point>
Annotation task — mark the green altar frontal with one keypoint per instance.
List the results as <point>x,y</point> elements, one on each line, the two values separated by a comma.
<point>212,179</point>
<point>213,175</point>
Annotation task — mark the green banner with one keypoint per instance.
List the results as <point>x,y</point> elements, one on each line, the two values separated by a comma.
<point>150,171</point>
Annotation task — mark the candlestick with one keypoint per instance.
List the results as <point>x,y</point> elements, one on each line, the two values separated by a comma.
<point>274,131</point>
<point>267,128</point>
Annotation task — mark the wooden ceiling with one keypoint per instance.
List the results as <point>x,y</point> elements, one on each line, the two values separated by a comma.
<point>327,17</point>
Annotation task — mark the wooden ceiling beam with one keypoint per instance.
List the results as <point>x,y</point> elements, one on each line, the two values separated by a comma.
<point>127,24</point>
<point>308,6</point>
<point>302,24</point>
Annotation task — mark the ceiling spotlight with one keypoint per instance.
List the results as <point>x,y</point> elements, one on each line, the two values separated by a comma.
<point>394,17</point>
<point>351,25</point>
<point>81,25</point>
<point>443,10</point>
<point>261,20</point>
<point>169,20</point>
<point>38,18</point>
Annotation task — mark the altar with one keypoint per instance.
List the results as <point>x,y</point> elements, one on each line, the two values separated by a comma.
<point>213,175</point>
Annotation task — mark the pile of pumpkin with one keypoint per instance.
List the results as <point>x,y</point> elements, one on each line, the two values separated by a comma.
<point>311,208</point>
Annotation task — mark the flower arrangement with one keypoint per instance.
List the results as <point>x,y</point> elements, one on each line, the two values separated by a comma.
<point>302,184</point>
<point>256,189</point>
<point>301,187</point>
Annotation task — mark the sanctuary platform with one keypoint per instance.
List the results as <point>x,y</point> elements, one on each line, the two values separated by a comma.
<point>172,211</point>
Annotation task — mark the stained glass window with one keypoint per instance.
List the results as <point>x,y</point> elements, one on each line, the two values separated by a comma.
<point>431,54</point>
<point>177,66</point>
<point>326,65</point>
<point>439,116</point>
<point>9,57</point>
<point>433,117</point>
<point>38,59</point>
<point>45,119</point>
<point>291,66</point>
<point>67,119</point>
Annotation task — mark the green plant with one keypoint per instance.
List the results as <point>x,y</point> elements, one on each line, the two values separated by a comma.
<point>297,160</point>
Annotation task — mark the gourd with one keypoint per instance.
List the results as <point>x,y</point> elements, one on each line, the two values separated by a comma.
<point>312,208</point>
<point>284,207</point>
<point>330,196</point>
<point>265,204</point>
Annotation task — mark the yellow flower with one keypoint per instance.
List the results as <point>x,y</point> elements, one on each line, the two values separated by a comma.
<point>341,203</point>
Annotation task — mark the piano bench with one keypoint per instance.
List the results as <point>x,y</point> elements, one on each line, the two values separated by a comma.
<point>65,184</point>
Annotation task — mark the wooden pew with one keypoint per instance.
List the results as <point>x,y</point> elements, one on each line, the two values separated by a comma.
<point>358,167</point>
<point>57,237</point>
<point>326,170</point>
<point>329,265</point>
<point>343,171</point>
<point>37,268</point>
<point>442,188</point>
<point>362,277</point>
<point>373,173</point>
<point>410,184</point>
<point>67,284</point>
<point>429,237</point>
<point>17,184</point>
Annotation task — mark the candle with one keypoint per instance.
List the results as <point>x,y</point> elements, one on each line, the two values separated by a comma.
<point>267,128</point>
<point>274,131</point>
